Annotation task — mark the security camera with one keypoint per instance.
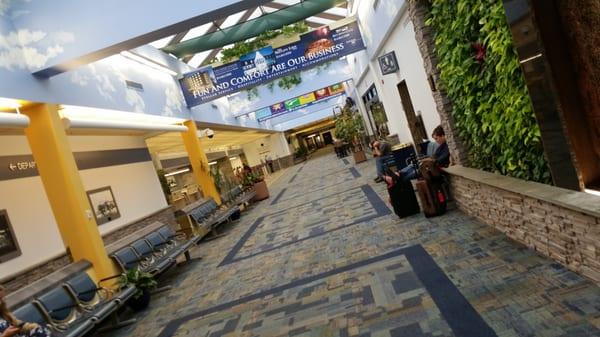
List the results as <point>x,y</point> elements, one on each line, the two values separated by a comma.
<point>209,133</point>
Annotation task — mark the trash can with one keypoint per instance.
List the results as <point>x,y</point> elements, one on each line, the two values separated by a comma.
<point>401,153</point>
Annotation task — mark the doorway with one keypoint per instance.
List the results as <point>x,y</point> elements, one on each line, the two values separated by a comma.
<point>327,138</point>
<point>415,123</point>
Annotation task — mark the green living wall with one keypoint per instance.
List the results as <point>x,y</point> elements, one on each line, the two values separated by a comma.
<point>481,74</point>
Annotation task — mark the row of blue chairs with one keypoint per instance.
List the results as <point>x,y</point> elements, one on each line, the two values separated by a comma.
<point>156,252</point>
<point>74,307</point>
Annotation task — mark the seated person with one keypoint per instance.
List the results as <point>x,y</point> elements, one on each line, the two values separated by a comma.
<point>10,326</point>
<point>381,151</point>
<point>441,154</point>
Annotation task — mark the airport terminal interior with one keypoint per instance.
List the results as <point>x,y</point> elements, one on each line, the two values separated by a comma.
<point>372,168</point>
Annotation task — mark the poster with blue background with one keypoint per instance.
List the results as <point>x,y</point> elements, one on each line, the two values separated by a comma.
<point>266,64</point>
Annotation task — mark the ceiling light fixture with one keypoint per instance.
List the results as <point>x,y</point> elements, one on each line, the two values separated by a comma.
<point>12,120</point>
<point>73,123</point>
<point>212,163</point>
<point>148,62</point>
<point>177,172</point>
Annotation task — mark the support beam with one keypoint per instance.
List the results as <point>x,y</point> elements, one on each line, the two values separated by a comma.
<point>213,28</point>
<point>216,51</point>
<point>199,161</point>
<point>64,189</point>
<point>323,15</point>
<point>124,30</point>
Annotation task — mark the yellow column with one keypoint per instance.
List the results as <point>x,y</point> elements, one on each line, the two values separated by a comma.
<point>199,161</point>
<point>64,189</point>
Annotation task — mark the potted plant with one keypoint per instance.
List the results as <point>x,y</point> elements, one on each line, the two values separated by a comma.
<point>258,185</point>
<point>349,128</point>
<point>143,282</point>
<point>300,154</point>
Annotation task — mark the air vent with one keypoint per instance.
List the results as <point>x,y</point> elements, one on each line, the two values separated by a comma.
<point>134,85</point>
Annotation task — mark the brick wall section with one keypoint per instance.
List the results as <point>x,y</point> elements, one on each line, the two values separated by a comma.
<point>569,237</point>
<point>418,11</point>
<point>166,216</point>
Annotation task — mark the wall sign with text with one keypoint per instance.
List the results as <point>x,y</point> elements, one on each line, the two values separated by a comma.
<point>266,64</point>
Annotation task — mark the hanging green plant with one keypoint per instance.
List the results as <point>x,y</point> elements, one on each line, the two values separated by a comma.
<point>481,74</point>
<point>290,81</point>
<point>260,41</point>
<point>252,93</point>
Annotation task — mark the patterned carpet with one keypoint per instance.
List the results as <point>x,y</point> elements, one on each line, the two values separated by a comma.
<point>325,256</point>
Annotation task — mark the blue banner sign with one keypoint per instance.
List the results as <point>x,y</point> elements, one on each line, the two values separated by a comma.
<point>266,64</point>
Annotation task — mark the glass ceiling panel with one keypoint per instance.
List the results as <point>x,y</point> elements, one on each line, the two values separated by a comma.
<point>162,42</point>
<point>319,20</point>
<point>198,31</point>
<point>198,58</point>
<point>232,19</point>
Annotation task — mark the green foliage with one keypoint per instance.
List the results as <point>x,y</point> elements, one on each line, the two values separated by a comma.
<point>262,40</point>
<point>378,113</point>
<point>252,93</point>
<point>290,81</point>
<point>492,109</point>
<point>348,125</point>
<point>141,280</point>
<point>301,151</point>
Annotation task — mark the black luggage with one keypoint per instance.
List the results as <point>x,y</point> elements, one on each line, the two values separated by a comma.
<point>402,195</point>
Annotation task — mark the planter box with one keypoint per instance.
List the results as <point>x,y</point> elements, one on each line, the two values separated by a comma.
<point>261,190</point>
<point>359,156</point>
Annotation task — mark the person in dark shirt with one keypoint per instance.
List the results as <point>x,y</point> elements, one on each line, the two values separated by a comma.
<point>441,154</point>
<point>381,151</point>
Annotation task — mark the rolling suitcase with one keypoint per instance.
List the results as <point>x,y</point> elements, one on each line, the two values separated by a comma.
<point>432,196</point>
<point>402,196</point>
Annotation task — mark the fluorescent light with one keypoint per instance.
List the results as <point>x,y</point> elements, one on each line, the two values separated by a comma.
<point>594,192</point>
<point>11,104</point>
<point>233,158</point>
<point>120,125</point>
<point>177,172</point>
<point>531,58</point>
<point>12,120</point>
<point>148,62</point>
<point>212,163</point>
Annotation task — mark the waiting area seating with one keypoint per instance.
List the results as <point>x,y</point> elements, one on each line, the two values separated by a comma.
<point>204,216</point>
<point>153,249</point>
<point>236,196</point>
<point>69,302</point>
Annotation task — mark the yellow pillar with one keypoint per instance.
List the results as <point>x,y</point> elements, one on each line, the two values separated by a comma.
<point>64,189</point>
<point>199,161</point>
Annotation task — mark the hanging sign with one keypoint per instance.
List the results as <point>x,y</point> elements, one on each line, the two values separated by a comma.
<point>300,102</point>
<point>266,64</point>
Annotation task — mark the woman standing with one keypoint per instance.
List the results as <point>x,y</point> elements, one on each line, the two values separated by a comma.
<point>10,326</point>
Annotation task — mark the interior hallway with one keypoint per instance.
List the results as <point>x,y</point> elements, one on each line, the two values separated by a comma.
<point>325,256</point>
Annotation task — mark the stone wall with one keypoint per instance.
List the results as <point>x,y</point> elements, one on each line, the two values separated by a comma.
<point>547,223</point>
<point>15,282</point>
<point>418,11</point>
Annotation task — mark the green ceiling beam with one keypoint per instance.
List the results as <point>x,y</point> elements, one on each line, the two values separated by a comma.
<point>252,28</point>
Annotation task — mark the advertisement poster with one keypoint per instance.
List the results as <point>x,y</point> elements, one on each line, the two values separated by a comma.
<point>305,99</point>
<point>267,64</point>
<point>299,102</point>
<point>292,103</point>
<point>321,93</point>
<point>277,108</point>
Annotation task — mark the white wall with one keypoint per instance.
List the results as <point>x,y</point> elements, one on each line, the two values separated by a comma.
<point>274,145</point>
<point>394,33</point>
<point>135,186</point>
